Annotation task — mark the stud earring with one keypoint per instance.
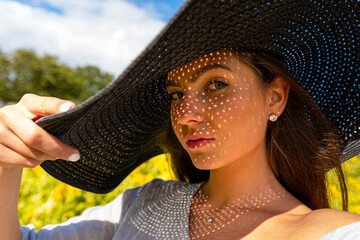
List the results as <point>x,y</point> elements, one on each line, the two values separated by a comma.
<point>273,117</point>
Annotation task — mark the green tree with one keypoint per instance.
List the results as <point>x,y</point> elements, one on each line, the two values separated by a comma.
<point>94,79</point>
<point>5,66</point>
<point>23,71</point>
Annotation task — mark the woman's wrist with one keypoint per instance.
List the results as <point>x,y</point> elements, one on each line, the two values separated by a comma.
<point>10,179</point>
<point>10,171</point>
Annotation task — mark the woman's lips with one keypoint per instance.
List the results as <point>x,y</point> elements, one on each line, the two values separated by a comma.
<point>198,143</point>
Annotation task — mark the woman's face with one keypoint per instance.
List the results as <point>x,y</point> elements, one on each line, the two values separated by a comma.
<point>218,111</point>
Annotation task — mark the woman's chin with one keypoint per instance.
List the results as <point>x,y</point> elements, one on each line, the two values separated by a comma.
<point>205,164</point>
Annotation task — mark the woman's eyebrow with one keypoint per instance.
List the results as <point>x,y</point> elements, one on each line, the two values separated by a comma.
<point>206,68</point>
<point>198,73</point>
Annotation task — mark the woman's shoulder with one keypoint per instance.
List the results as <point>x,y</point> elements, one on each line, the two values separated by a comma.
<point>158,208</point>
<point>333,217</point>
<point>327,222</point>
<point>336,215</point>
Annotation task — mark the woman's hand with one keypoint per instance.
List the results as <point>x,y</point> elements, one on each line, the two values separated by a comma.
<point>22,142</point>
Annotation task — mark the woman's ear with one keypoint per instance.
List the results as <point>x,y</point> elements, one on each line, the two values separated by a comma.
<point>277,96</point>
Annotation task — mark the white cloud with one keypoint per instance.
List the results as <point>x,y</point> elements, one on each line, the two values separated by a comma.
<point>106,33</point>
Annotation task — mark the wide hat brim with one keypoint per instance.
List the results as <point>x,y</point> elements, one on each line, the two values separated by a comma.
<point>125,124</point>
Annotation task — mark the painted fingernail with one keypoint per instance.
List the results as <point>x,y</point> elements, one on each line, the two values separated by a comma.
<point>65,107</point>
<point>74,157</point>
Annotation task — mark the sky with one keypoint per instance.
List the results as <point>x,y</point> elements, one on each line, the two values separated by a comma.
<point>105,33</point>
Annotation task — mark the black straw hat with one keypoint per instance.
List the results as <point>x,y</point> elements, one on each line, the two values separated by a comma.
<point>125,123</point>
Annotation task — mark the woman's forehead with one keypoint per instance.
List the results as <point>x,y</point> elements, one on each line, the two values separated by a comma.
<point>218,59</point>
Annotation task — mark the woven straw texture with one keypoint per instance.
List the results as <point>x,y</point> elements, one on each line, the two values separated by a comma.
<point>124,124</point>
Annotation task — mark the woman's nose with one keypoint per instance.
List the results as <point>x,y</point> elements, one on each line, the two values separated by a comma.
<point>189,112</point>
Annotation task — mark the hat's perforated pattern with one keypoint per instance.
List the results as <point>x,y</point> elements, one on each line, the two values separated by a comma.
<point>124,124</point>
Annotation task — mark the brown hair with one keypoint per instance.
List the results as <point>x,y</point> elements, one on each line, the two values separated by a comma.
<point>302,145</point>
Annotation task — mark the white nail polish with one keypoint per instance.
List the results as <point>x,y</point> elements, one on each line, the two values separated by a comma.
<point>74,157</point>
<point>65,107</point>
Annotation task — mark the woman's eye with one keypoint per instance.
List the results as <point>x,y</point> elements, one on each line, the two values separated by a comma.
<point>216,85</point>
<point>176,96</point>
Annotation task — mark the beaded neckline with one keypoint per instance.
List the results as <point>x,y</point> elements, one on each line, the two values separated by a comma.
<point>205,219</point>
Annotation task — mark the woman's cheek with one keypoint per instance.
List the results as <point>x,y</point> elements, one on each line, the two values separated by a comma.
<point>174,116</point>
<point>229,109</point>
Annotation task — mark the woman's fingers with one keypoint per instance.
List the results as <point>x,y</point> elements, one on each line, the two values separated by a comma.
<point>34,136</point>
<point>10,140</point>
<point>10,158</point>
<point>23,142</point>
<point>35,106</point>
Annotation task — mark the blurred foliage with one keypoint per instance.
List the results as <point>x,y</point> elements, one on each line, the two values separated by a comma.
<point>46,200</point>
<point>24,72</point>
<point>351,170</point>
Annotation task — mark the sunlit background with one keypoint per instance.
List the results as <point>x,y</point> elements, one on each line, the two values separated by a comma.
<point>105,33</point>
<point>71,49</point>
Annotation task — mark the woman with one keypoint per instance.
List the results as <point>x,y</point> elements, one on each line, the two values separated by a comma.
<point>220,114</point>
<point>251,142</point>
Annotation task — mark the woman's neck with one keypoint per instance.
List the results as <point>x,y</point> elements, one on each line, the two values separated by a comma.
<point>243,177</point>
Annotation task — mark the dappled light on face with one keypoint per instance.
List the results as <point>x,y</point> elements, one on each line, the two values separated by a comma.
<point>216,102</point>
<point>206,219</point>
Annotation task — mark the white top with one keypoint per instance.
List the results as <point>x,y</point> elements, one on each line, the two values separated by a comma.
<point>347,232</point>
<point>157,210</point>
